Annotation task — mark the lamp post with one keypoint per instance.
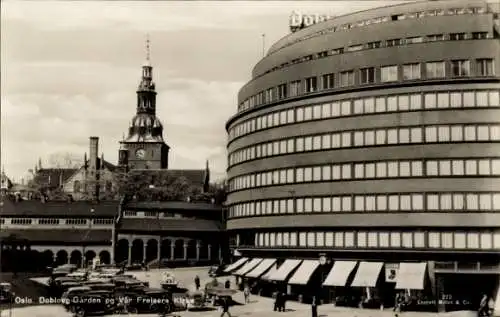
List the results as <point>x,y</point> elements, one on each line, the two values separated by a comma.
<point>323,260</point>
<point>84,264</point>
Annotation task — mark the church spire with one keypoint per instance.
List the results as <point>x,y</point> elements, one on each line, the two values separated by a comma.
<point>148,52</point>
<point>146,94</point>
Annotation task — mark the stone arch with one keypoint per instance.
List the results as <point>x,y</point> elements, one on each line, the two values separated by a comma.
<point>166,249</point>
<point>76,257</point>
<point>89,256</point>
<point>151,250</point>
<point>47,257</point>
<point>121,254</point>
<point>137,251</point>
<point>105,257</point>
<point>61,257</point>
<point>191,249</point>
<point>179,249</point>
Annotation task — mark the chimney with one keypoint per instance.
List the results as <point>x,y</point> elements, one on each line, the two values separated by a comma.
<point>93,158</point>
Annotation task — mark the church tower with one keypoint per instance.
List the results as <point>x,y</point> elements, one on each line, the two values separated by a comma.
<point>144,147</point>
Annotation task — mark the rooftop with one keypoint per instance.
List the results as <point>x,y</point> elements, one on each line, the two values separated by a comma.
<point>36,208</point>
<point>172,224</point>
<point>66,235</point>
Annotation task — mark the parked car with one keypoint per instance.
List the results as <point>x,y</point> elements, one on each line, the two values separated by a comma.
<point>91,304</point>
<point>217,270</point>
<point>70,293</point>
<point>147,300</point>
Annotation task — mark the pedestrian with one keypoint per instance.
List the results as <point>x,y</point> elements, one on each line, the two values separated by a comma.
<point>277,300</point>
<point>283,301</point>
<point>314,307</point>
<point>227,284</point>
<point>246,293</point>
<point>483,306</point>
<point>225,306</point>
<point>398,305</point>
<point>197,282</point>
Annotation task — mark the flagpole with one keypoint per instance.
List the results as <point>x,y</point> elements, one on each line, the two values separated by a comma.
<point>263,45</point>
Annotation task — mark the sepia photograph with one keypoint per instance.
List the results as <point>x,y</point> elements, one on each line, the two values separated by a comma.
<point>250,158</point>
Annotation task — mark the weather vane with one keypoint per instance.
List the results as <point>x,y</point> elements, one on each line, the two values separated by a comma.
<point>147,47</point>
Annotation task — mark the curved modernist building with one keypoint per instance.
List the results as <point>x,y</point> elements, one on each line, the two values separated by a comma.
<point>371,141</point>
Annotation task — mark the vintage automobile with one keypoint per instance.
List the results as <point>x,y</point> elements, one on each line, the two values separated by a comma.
<point>6,294</point>
<point>217,270</point>
<point>147,300</point>
<point>216,293</point>
<point>91,304</point>
<point>71,292</point>
<point>168,282</point>
<point>103,287</point>
<point>129,284</point>
<point>196,300</point>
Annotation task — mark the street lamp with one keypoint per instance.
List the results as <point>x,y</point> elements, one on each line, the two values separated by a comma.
<point>323,260</point>
<point>84,264</point>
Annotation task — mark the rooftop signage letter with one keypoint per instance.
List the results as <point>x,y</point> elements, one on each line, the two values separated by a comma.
<point>299,21</point>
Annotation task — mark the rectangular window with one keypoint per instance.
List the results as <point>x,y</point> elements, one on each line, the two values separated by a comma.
<point>413,40</point>
<point>369,137</point>
<point>372,45</point>
<point>308,143</point>
<point>328,81</point>
<point>367,75</point>
<point>381,203</point>
<point>392,103</point>
<point>347,78</point>
<point>380,137</point>
<point>457,36</point>
<point>394,42</point>
<point>361,237</point>
<point>370,170</point>
<point>345,108</point>
<point>435,37</point>
<point>485,67</point>
<point>434,240</point>
<point>479,35</point>
<point>294,88</point>
<point>311,84</point>
<point>431,134</point>
<point>380,104</point>
<point>435,70</point>
<point>456,100</point>
<point>381,170</point>
<point>460,68</point>
<point>282,91</point>
<point>327,204</point>
<point>411,71</point>
<point>395,239</point>
<point>339,239</point>
<point>403,102</point>
<point>358,106</point>
<point>389,73</point>
<point>355,48</point>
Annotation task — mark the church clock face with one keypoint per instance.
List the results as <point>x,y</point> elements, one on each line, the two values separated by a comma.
<point>140,153</point>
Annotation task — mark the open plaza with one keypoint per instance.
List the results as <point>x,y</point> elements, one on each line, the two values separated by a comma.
<point>258,306</point>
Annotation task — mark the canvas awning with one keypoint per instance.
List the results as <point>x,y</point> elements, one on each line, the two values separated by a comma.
<point>283,271</point>
<point>248,267</point>
<point>411,276</point>
<point>261,268</point>
<point>367,274</point>
<point>271,271</point>
<point>235,265</point>
<point>304,272</point>
<point>339,273</point>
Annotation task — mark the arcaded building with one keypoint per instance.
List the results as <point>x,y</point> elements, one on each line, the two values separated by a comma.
<point>371,141</point>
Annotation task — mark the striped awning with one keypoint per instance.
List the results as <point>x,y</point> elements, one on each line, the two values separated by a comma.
<point>411,276</point>
<point>248,267</point>
<point>367,274</point>
<point>261,268</point>
<point>283,271</point>
<point>340,273</point>
<point>235,265</point>
<point>304,272</point>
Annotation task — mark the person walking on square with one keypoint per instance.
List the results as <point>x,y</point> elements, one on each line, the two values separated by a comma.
<point>483,306</point>
<point>197,282</point>
<point>314,307</point>
<point>225,307</point>
<point>246,293</point>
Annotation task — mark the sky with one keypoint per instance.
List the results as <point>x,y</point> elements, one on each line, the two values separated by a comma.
<point>70,71</point>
